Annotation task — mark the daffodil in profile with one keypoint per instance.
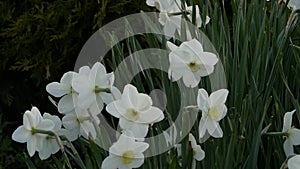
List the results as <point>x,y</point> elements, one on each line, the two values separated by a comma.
<point>126,153</point>
<point>65,90</point>
<point>190,62</point>
<point>292,134</point>
<point>294,162</point>
<point>213,110</point>
<point>28,132</point>
<point>135,111</point>
<point>198,153</point>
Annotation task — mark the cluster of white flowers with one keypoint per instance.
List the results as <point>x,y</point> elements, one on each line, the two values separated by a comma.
<point>84,95</point>
<point>170,17</point>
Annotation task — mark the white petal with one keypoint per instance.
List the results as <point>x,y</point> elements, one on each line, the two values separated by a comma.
<point>36,116</point>
<point>202,127</point>
<point>202,99</point>
<point>57,89</point>
<point>205,70</point>
<point>172,46</point>
<point>130,95</point>
<point>150,115</point>
<point>218,97</point>
<point>287,120</point>
<point>28,120</point>
<point>294,162</point>
<point>32,146</point>
<point>294,136</point>
<point>66,104</point>
<point>113,110</point>
<point>140,147</point>
<point>218,133</point>
<point>111,162</point>
<point>21,134</point>
<point>192,140</point>
<point>288,148</point>
<point>86,99</point>
<point>139,130</point>
<point>67,78</point>
<point>143,102</point>
<point>136,163</point>
<point>88,128</point>
<point>169,28</point>
<point>211,126</point>
<point>204,138</point>
<point>200,154</point>
<point>70,121</point>
<point>193,45</point>
<point>46,124</point>
<point>55,119</point>
<point>208,58</point>
<point>190,79</point>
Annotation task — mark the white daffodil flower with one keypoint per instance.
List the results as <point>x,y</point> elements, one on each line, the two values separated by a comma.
<point>89,84</point>
<point>190,62</point>
<point>213,110</point>
<point>50,145</point>
<point>135,111</point>
<point>126,153</point>
<point>65,89</point>
<point>294,162</point>
<point>79,123</point>
<point>293,134</point>
<point>198,153</point>
<point>32,121</point>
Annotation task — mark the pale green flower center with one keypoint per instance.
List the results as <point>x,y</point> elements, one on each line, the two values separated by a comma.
<point>132,114</point>
<point>127,157</point>
<point>213,113</point>
<point>194,66</point>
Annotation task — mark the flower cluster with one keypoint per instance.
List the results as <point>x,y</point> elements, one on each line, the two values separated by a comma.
<point>83,95</point>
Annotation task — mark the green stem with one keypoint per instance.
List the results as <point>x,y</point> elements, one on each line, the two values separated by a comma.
<point>277,134</point>
<point>106,90</point>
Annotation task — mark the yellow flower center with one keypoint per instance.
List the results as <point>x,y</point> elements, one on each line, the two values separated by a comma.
<point>127,157</point>
<point>132,114</point>
<point>194,66</point>
<point>213,113</point>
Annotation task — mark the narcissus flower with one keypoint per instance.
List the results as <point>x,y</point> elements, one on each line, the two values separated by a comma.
<point>126,153</point>
<point>92,85</point>
<point>293,134</point>
<point>65,90</point>
<point>79,123</point>
<point>50,145</point>
<point>198,153</point>
<point>32,121</point>
<point>294,162</point>
<point>190,62</point>
<point>213,110</point>
<point>135,111</point>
